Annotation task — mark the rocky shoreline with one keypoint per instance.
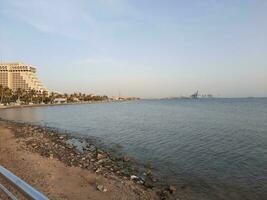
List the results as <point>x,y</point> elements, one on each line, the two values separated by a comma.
<point>84,154</point>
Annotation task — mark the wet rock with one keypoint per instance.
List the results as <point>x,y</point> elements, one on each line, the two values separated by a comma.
<point>172,189</point>
<point>164,195</point>
<point>80,146</point>
<point>126,159</point>
<point>183,186</point>
<point>149,164</point>
<point>149,172</point>
<point>91,148</point>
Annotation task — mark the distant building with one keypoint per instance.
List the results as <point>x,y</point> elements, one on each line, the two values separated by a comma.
<point>20,75</point>
<point>60,100</point>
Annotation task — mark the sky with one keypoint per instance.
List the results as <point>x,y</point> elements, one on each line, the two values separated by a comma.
<point>144,48</point>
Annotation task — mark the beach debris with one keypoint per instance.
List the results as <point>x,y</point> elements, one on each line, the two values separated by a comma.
<point>61,137</point>
<point>133,177</point>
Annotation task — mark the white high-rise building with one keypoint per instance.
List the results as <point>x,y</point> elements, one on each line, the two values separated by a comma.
<point>20,75</point>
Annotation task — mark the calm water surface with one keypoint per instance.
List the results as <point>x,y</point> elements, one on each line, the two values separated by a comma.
<point>213,149</point>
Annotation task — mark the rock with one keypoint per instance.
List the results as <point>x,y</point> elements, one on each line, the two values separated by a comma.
<point>183,186</point>
<point>61,137</point>
<point>149,172</point>
<point>34,145</point>
<point>149,164</point>
<point>126,159</point>
<point>164,195</point>
<point>148,184</point>
<point>133,177</point>
<point>100,162</point>
<point>100,156</point>
<point>101,188</point>
<point>91,148</point>
<point>85,165</point>
<point>172,189</point>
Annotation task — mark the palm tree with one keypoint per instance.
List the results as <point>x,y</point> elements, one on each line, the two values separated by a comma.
<point>19,93</point>
<point>39,96</point>
<point>8,94</point>
<point>2,93</point>
<point>52,97</point>
<point>32,94</point>
<point>44,94</point>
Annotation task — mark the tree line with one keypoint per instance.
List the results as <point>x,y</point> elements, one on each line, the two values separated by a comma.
<point>8,96</point>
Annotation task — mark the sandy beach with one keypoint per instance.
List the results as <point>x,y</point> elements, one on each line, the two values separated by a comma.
<point>22,150</point>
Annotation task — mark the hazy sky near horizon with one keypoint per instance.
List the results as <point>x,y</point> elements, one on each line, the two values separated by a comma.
<point>145,48</point>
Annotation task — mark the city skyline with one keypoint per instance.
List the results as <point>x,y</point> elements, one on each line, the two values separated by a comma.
<point>140,48</point>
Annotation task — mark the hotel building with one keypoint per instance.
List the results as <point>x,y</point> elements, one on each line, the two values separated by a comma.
<point>20,75</point>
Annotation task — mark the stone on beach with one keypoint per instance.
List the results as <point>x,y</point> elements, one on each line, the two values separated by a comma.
<point>78,152</point>
<point>126,159</point>
<point>101,188</point>
<point>172,189</point>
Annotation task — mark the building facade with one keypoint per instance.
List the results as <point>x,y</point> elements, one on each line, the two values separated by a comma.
<point>20,75</point>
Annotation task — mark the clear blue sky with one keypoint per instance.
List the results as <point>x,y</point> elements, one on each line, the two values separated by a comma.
<point>146,48</point>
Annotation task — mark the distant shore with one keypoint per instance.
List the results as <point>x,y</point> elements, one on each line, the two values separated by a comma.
<point>57,104</point>
<point>32,152</point>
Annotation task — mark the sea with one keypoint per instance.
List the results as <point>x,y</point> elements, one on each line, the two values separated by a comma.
<point>209,148</point>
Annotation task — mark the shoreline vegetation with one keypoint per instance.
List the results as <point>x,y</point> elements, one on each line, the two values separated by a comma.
<point>56,104</point>
<point>34,98</point>
<point>77,154</point>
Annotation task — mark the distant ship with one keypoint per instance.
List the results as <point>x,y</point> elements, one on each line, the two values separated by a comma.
<point>195,95</point>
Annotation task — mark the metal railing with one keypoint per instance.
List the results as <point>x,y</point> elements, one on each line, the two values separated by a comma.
<point>25,189</point>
